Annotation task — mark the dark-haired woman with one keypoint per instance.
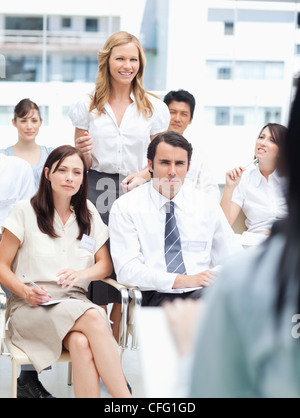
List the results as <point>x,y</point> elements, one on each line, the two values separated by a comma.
<point>258,191</point>
<point>27,119</point>
<point>57,239</point>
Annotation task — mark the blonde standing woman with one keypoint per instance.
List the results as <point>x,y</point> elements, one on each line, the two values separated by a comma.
<point>57,240</point>
<point>113,128</point>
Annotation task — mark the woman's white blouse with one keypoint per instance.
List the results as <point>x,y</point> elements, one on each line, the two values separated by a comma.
<point>40,257</point>
<point>120,149</point>
<point>263,202</point>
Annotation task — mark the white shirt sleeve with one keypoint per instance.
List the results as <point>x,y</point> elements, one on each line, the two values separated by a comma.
<point>79,114</point>
<point>27,187</point>
<point>161,118</point>
<point>127,256</point>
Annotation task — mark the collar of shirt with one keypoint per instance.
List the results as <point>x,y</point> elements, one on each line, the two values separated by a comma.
<point>160,200</point>
<point>71,219</point>
<point>258,177</point>
<point>108,108</point>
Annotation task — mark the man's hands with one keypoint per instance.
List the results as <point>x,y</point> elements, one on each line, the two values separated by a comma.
<point>206,278</point>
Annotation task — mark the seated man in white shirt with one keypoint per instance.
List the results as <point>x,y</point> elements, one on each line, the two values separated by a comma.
<point>181,104</point>
<point>141,227</point>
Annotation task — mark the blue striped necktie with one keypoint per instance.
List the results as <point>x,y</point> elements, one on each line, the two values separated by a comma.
<point>173,252</point>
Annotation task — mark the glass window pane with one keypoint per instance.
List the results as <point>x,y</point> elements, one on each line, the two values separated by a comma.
<point>91,25</point>
<point>222,116</point>
<point>6,115</point>
<point>23,23</point>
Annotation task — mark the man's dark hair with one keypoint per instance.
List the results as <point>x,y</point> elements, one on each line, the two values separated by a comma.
<point>181,96</point>
<point>172,138</point>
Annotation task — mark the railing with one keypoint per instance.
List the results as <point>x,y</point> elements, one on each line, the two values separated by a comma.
<point>78,38</point>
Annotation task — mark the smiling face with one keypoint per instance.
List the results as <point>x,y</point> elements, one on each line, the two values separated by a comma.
<point>169,168</point>
<point>28,126</point>
<point>66,178</point>
<point>266,150</point>
<point>124,63</point>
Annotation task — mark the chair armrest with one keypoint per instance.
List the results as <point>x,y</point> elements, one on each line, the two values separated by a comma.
<point>129,311</point>
<point>3,306</point>
<point>124,309</point>
<point>136,296</point>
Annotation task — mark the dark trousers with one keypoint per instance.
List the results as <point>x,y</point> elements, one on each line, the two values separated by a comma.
<point>152,298</point>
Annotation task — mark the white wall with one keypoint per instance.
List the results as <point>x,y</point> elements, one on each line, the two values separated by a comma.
<point>192,43</point>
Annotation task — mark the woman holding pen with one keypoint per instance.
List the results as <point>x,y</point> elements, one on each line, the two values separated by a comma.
<point>57,240</point>
<point>258,190</point>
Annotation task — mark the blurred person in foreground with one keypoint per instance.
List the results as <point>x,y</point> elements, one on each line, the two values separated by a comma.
<point>247,342</point>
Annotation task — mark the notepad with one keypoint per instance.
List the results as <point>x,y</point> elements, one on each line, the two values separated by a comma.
<point>56,301</point>
<point>181,290</point>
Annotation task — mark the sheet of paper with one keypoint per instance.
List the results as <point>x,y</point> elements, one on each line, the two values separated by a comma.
<point>181,290</point>
<point>158,355</point>
<point>56,301</point>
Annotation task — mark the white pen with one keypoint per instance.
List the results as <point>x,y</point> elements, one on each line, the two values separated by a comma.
<point>255,161</point>
<point>31,282</point>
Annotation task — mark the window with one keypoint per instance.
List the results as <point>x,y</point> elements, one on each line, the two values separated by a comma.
<point>245,70</point>
<point>228,28</point>
<point>23,23</point>
<point>272,115</point>
<point>23,68</point>
<point>6,115</point>
<point>238,120</point>
<point>80,69</point>
<point>91,25</point>
<point>224,73</point>
<point>222,116</point>
<point>2,66</point>
<point>66,22</point>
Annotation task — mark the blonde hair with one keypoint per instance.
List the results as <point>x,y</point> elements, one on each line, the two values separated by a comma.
<point>103,86</point>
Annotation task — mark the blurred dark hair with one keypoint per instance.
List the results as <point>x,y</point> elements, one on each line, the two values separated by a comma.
<point>181,96</point>
<point>24,107</point>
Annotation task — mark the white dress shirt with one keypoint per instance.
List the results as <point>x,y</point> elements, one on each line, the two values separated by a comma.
<point>137,224</point>
<point>120,150</point>
<point>263,202</point>
<point>201,175</point>
<point>16,183</point>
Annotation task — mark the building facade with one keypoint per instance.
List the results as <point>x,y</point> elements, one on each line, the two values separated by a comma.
<point>238,58</point>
